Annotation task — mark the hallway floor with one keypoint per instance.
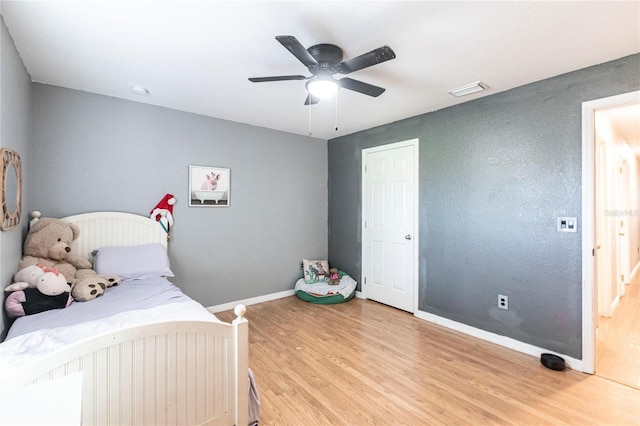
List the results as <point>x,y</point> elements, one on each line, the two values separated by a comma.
<point>618,344</point>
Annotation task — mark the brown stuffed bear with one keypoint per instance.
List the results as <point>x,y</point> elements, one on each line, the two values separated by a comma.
<point>47,243</point>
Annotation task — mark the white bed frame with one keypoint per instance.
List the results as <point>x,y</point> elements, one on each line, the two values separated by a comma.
<point>183,372</point>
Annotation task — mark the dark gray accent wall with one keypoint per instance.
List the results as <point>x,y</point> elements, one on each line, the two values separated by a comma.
<point>495,174</point>
<point>92,152</point>
<point>15,106</point>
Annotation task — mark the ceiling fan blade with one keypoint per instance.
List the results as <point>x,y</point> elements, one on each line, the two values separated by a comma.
<point>311,100</point>
<point>365,60</point>
<point>297,49</point>
<point>361,87</point>
<point>277,78</point>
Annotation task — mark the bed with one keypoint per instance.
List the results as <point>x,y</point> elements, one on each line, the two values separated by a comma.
<point>172,363</point>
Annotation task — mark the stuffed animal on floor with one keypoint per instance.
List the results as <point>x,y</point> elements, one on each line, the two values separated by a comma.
<point>334,276</point>
<point>47,243</point>
<point>36,289</point>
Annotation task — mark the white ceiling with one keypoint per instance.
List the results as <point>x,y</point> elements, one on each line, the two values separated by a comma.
<point>196,56</point>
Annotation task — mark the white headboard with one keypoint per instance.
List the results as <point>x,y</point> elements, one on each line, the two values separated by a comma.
<point>104,229</point>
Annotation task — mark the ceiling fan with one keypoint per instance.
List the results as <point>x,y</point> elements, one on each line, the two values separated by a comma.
<point>325,60</point>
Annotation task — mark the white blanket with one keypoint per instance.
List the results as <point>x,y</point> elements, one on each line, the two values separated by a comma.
<point>28,347</point>
<point>131,304</point>
<point>131,295</point>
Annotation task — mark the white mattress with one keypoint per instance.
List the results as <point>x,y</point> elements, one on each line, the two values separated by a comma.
<point>128,296</point>
<point>131,304</point>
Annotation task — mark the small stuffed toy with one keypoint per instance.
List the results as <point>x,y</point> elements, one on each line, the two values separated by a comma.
<point>164,209</point>
<point>163,213</point>
<point>37,289</point>
<point>47,243</point>
<point>334,276</point>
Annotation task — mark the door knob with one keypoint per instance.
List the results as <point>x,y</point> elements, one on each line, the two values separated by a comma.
<point>407,237</point>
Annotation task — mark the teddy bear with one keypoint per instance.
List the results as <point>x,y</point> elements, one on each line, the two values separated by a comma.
<point>334,276</point>
<point>48,243</point>
<point>36,289</point>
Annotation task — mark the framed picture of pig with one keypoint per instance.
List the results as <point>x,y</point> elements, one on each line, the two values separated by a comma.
<point>209,186</point>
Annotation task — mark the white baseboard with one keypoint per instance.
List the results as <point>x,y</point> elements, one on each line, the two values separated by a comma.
<point>251,301</point>
<point>634,273</point>
<point>505,341</point>
<point>259,299</point>
<point>614,305</point>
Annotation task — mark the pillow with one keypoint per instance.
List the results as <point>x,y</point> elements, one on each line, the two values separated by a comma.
<point>315,270</point>
<point>132,263</point>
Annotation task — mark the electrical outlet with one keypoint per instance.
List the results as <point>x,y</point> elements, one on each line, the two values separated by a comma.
<point>503,302</point>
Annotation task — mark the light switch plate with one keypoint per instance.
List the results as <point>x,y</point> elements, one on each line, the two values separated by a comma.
<point>567,224</point>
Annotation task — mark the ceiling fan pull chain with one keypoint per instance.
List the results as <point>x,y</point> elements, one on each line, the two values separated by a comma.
<point>336,109</point>
<point>309,119</point>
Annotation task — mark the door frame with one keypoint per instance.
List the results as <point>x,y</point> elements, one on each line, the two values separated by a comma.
<point>589,308</point>
<point>415,143</point>
<point>623,192</point>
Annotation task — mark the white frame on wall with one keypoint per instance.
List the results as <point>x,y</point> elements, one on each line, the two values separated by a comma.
<point>209,186</point>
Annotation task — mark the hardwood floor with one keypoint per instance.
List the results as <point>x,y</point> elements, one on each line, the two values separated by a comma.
<point>364,363</point>
<point>618,344</point>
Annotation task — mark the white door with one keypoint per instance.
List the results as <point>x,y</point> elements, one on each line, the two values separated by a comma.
<point>605,247</point>
<point>622,226</point>
<point>390,200</point>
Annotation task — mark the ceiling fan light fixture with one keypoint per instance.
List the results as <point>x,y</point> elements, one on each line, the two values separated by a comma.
<point>323,87</point>
<point>477,86</point>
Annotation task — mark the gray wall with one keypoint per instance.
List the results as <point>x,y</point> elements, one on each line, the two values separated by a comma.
<point>495,173</point>
<point>15,105</point>
<point>92,152</point>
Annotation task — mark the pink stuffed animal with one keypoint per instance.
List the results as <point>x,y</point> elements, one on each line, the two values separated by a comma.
<point>334,276</point>
<point>37,289</point>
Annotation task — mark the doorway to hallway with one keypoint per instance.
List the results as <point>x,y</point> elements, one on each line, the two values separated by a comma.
<point>611,246</point>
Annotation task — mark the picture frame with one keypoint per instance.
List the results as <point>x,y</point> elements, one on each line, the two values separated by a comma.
<point>209,186</point>
<point>11,187</point>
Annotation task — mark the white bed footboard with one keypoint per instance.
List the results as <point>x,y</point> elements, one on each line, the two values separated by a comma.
<point>175,373</point>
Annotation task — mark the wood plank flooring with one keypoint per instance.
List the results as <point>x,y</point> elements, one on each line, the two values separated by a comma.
<point>364,363</point>
<point>618,344</point>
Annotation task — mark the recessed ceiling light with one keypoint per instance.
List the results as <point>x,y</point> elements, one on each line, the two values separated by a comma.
<point>138,90</point>
<point>469,88</point>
